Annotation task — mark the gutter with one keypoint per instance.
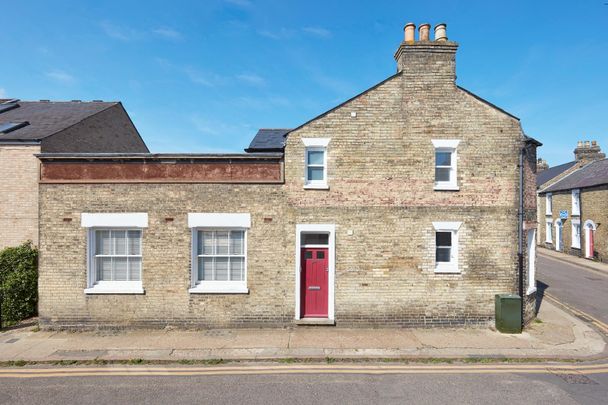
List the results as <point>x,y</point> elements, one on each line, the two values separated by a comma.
<point>520,236</point>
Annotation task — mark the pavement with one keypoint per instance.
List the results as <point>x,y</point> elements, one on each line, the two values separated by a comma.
<point>558,335</point>
<point>577,261</point>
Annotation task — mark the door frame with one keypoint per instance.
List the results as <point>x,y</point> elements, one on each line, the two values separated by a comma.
<point>559,235</point>
<point>589,228</point>
<point>329,229</point>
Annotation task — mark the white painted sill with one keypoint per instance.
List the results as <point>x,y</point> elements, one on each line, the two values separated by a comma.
<point>531,290</point>
<point>446,187</point>
<point>219,289</point>
<point>316,186</point>
<point>133,288</point>
<point>446,270</point>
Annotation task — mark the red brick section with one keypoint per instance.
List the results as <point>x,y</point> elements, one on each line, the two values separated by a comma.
<point>157,172</point>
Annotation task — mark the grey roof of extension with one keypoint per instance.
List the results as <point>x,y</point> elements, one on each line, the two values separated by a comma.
<point>268,140</point>
<point>552,172</point>
<point>592,174</point>
<point>46,118</point>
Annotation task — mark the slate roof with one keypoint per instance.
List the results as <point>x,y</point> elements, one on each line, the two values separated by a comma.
<point>268,140</point>
<point>46,118</point>
<point>552,172</point>
<point>592,174</point>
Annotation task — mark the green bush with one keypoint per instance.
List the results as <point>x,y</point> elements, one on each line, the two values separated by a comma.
<point>18,282</point>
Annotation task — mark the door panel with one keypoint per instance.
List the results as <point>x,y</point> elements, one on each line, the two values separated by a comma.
<point>314,282</point>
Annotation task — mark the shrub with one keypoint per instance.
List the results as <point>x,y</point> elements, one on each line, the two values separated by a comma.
<point>18,282</point>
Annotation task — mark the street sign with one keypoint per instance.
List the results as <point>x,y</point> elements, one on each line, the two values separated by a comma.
<point>563,214</point>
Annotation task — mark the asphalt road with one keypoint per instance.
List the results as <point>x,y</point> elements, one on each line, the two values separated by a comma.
<point>579,287</point>
<point>311,389</point>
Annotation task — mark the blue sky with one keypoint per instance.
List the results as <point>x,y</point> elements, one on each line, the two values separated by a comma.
<point>202,76</point>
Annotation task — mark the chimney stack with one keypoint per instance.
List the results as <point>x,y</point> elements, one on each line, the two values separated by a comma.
<point>588,151</point>
<point>423,31</point>
<point>541,165</point>
<point>429,62</point>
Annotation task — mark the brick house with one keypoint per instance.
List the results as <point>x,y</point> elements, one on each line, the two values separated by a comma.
<point>31,127</point>
<point>398,207</point>
<point>574,208</point>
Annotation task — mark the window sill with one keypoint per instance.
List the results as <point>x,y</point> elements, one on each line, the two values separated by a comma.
<point>115,289</point>
<point>219,289</point>
<point>446,270</point>
<point>531,290</point>
<point>316,187</point>
<point>446,187</point>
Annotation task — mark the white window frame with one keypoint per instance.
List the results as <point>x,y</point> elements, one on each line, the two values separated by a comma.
<point>447,145</point>
<point>217,222</point>
<point>315,145</point>
<point>576,242</point>
<point>576,202</point>
<point>112,221</point>
<point>452,266</point>
<point>548,204</point>
<point>531,261</point>
<point>549,230</point>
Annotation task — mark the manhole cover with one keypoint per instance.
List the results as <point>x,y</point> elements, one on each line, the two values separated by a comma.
<point>218,333</point>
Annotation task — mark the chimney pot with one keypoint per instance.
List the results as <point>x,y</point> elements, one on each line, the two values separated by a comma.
<point>579,144</point>
<point>593,143</point>
<point>440,32</point>
<point>587,144</point>
<point>409,29</point>
<point>423,31</point>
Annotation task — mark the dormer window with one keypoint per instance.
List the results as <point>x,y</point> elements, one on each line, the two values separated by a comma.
<point>315,163</point>
<point>445,164</point>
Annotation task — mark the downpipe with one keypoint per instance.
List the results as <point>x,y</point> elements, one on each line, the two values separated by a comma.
<point>520,244</point>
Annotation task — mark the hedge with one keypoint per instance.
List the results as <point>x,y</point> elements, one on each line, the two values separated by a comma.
<point>18,283</point>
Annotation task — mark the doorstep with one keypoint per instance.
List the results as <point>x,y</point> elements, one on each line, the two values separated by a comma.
<point>316,321</point>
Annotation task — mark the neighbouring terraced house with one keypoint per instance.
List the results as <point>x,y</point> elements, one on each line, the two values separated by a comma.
<point>573,204</point>
<point>398,207</point>
<point>31,127</point>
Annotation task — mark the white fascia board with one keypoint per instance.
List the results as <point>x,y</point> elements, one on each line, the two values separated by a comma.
<point>114,220</point>
<point>318,142</point>
<point>446,226</point>
<point>219,220</point>
<point>445,143</point>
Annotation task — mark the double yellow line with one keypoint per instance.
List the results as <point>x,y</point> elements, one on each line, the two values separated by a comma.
<point>603,327</point>
<point>156,371</point>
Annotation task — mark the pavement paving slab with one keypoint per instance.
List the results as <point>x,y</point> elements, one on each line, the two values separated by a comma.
<point>557,335</point>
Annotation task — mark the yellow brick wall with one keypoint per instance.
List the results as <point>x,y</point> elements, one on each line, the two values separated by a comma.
<point>19,170</point>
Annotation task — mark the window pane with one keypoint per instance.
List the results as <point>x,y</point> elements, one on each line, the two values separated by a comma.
<point>443,158</point>
<point>221,242</point>
<point>205,268</point>
<point>134,242</point>
<point>104,268</point>
<point>308,254</point>
<point>443,238</point>
<point>315,173</point>
<point>120,242</point>
<point>315,239</point>
<point>442,254</point>
<point>221,268</point>
<point>320,254</point>
<point>237,265</point>
<point>135,268</point>
<point>120,268</point>
<point>205,243</point>
<point>237,242</point>
<point>442,174</point>
<point>315,157</point>
<point>104,243</point>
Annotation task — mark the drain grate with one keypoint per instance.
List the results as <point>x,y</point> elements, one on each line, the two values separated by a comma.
<point>13,340</point>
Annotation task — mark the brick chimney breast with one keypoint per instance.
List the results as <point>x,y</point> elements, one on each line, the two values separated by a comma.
<point>429,62</point>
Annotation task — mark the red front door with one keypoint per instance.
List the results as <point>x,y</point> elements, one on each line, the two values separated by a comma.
<point>314,293</point>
